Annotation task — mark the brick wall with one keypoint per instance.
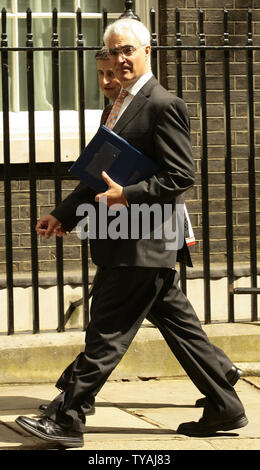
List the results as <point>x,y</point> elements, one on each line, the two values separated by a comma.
<point>213,28</point>
<point>21,229</point>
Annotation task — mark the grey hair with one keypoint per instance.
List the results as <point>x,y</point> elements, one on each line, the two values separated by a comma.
<point>128,25</point>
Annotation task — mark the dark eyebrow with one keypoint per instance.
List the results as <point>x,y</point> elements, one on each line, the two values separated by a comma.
<point>125,45</point>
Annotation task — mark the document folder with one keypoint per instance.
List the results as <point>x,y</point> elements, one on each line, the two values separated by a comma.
<point>121,161</point>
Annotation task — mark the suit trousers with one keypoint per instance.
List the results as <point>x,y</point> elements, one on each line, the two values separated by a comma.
<point>122,298</point>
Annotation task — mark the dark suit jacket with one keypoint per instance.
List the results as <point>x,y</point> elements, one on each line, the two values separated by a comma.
<point>156,122</point>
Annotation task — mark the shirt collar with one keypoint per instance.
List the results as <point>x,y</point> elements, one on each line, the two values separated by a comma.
<point>136,87</point>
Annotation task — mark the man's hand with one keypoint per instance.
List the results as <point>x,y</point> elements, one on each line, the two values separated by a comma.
<point>48,225</point>
<point>114,193</point>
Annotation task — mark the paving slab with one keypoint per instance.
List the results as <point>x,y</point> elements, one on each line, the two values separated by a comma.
<point>144,444</point>
<point>9,438</point>
<point>168,403</point>
<point>235,444</point>
<point>132,415</point>
<point>254,381</point>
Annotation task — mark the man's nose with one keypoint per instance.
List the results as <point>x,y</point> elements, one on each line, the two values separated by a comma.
<point>106,80</point>
<point>120,58</point>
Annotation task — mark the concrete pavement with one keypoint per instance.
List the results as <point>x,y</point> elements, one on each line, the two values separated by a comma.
<point>133,415</point>
<point>141,406</point>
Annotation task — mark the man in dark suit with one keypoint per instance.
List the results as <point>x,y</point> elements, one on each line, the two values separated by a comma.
<point>137,275</point>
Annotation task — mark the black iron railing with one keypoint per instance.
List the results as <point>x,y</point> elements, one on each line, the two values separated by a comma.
<point>58,171</point>
<point>202,48</point>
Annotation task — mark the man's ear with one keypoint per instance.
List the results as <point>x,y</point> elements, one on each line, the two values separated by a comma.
<point>148,50</point>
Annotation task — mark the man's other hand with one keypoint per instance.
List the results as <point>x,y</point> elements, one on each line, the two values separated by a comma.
<point>48,225</point>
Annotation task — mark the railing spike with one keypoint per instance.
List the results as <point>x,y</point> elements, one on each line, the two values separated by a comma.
<point>226,35</point>
<point>55,41</point>
<point>249,27</point>
<point>129,13</point>
<point>79,28</point>
<point>4,42</point>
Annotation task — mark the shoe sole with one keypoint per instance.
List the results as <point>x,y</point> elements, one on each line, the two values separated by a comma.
<point>229,426</point>
<point>239,423</point>
<point>69,442</point>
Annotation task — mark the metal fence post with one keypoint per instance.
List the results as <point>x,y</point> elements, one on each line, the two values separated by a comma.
<point>204,170</point>
<point>81,101</point>
<point>251,169</point>
<point>57,153</point>
<point>33,171</point>
<point>178,43</point>
<point>154,58</point>
<point>7,178</point>
<point>228,173</point>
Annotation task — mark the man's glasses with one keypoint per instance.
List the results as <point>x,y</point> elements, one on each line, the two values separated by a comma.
<point>126,51</point>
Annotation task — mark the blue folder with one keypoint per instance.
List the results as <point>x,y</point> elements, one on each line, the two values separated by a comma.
<point>121,161</point>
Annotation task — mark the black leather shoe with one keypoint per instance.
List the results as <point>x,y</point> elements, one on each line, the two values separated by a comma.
<point>233,375</point>
<point>91,411</point>
<point>48,430</point>
<point>205,427</point>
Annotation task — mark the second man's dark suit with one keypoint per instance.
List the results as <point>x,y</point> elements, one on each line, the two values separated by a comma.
<point>136,277</point>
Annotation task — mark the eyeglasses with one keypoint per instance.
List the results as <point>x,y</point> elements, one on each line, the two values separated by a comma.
<point>126,51</point>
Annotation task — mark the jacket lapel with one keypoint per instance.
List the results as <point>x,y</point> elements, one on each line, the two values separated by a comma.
<point>135,106</point>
